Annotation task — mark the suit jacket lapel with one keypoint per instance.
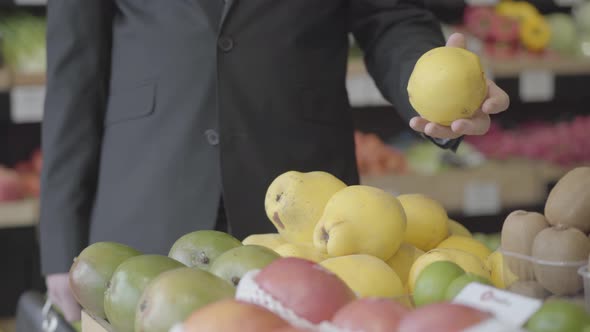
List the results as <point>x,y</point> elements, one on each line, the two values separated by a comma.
<point>226,9</point>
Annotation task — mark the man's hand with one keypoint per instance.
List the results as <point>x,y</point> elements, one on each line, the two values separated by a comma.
<point>58,291</point>
<point>496,101</point>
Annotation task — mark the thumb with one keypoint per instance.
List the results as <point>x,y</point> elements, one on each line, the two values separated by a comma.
<point>456,40</point>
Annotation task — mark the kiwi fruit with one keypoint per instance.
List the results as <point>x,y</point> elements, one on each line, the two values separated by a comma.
<point>568,202</point>
<point>529,288</point>
<point>518,233</point>
<point>560,244</point>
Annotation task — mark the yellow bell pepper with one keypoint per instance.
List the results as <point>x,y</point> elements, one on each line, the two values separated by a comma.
<point>535,33</point>
<point>519,10</point>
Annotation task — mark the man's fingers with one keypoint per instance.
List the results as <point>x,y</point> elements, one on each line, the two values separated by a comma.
<point>418,124</point>
<point>478,125</point>
<point>456,40</point>
<point>438,131</point>
<point>497,101</point>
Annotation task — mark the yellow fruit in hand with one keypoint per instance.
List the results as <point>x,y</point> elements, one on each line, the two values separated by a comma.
<point>467,244</point>
<point>295,201</point>
<point>501,276</point>
<point>361,220</point>
<point>427,221</point>
<point>403,259</point>
<point>468,262</point>
<point>300,251</point>
<point>366,275</point>
<point>456,228</point>
<point>270,240</point>
<point>447,84</point>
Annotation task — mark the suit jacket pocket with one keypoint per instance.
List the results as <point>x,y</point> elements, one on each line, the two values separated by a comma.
<point>130,104</point>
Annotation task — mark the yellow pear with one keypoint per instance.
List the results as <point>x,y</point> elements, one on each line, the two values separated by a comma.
<point>403,259</point>
<point>301,251</point>
<point>468,262</point>
<point>447,84</point>
<point>269,240</point>
<point>295,201</point>
<point>427,221</point>
<point>366,275</point>
<point>455,228</point>
<point>361,220</point>
<point>467,244</point>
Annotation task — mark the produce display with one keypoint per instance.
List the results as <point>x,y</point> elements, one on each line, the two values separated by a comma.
<point>563,144</point>
<point>374,157</point>
<point>546,251</point>
<point>347,258</point>
<point>511,28</point>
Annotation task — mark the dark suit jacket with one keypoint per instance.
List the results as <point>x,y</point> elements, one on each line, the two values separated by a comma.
<point>155,108</point>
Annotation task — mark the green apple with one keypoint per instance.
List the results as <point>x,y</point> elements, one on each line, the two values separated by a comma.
<point>457,285</point>
<point>432,282</point>
<point>233,264</point>
<point>201,248</point>
<point>559,316</point>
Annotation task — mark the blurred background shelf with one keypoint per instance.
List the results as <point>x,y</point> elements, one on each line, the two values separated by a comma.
<point>25,3</point>
<point>23,213</point>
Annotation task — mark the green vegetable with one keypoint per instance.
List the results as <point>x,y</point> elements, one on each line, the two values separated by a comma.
<point>23,41</point>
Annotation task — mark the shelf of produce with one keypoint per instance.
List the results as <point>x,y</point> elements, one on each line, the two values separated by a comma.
<point>487,190</point>
<point>19,214</point>
<point>23,2</point>
<point>529,73</point>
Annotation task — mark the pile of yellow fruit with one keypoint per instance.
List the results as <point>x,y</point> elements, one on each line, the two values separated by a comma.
<point>376,242</point>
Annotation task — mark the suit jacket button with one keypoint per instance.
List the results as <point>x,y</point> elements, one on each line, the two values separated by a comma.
<point>226,44</point>
<point>212,137</point>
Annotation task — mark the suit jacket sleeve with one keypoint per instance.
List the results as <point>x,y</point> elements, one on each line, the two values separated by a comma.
<point>393,35</point>
<point>78,53</point>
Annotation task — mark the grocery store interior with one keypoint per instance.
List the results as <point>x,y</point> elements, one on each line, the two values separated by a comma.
<point>545,133</point>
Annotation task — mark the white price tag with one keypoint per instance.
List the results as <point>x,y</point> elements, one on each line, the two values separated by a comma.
<point>536,85</point>
<point>509,308</point>
<point>26,103</point>
<point>493,325</point>
<point>481,2</point>
<point>481,199</point>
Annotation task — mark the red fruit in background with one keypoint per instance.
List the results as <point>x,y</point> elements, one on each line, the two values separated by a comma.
<point>23,167</point>
<point>31,184</point>
<point>11,188</point>
<point>478,21</point>
<point>37,161</point>
<point>306,288</point>
<point>504,29</point>
<point>370,315</point>
<point>232,315</point>
<point>501,50</point>
<point>442,317</point>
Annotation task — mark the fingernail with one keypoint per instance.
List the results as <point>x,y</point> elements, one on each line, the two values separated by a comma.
<point>460,126</point>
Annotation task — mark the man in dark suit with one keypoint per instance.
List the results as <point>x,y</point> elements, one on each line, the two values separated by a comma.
<point>156,110</point>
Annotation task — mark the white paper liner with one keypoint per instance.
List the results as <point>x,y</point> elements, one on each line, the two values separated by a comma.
<point>179,327</point>
<point>249,291</point>
<point>492,325</point>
